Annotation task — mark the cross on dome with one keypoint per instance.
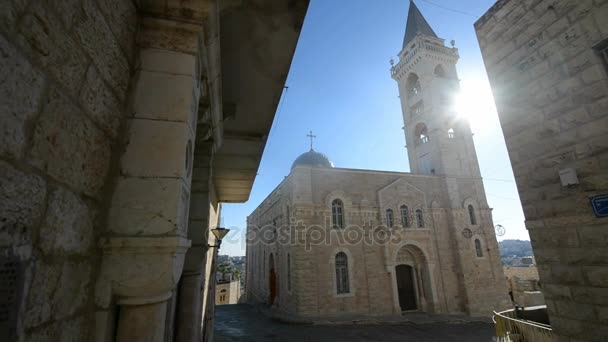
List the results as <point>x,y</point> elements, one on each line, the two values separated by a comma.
<point>311,136</point>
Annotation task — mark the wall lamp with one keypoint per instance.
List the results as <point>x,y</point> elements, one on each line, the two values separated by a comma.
<point>219,235</point>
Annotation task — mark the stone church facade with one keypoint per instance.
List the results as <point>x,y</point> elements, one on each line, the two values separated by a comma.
<point>334,241</point>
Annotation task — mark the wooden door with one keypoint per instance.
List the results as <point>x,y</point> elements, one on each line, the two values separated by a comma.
<point>406,287</point>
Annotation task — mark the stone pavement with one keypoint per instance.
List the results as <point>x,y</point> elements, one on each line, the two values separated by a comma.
<point>246,323</point>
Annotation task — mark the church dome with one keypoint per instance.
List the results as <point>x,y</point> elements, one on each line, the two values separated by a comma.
<point>312,158</point>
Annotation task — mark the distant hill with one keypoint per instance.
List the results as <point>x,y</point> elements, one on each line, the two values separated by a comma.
<point>519,248</point>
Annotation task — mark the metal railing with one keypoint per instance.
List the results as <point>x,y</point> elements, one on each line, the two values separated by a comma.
<point>512,329</point>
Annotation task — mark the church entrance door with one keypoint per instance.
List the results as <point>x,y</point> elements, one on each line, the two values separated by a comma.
<point>405,287</point>
<point>272,282</point>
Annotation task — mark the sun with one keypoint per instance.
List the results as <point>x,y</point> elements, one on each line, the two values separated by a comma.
<point>475,103</point>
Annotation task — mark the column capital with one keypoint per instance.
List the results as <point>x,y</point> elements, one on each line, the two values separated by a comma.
<point>143,270</point>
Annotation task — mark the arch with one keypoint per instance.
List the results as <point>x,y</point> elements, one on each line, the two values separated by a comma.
<point>413,285</point>
<point>337,213</point>
<point>478,250</point>
<point>412,85</point>
<point>405,216</point>
<point>223,291</point>
<point>421,133</point>
<point>350,264</point>
<point>419,218</point>
<point>440,71</point>
<point>273,290</point>
<point>390,218</point>
<point>472,217</point>
<point>342,274</point>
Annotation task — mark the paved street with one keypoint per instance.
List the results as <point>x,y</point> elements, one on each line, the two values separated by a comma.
<point>244,323</point>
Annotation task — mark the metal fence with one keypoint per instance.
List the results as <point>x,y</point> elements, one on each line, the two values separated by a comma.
<point>511,329</point>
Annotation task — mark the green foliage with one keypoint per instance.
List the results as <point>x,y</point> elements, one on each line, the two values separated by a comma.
<point>518,248</point>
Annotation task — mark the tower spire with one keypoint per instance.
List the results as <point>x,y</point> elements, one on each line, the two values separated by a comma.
<point>416,24</point>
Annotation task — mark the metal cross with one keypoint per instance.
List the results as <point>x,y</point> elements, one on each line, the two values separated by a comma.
<point>311,136</point>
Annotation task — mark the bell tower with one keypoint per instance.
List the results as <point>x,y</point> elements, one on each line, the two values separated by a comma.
<point>438,142</point>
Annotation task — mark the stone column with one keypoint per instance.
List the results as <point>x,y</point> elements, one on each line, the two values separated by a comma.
<point>134,322</point>
<point>147,238</point>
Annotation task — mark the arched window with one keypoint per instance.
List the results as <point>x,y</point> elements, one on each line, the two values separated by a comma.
<point>337,214</point>
<point>439,71</point>
<point>288,272</point>
<point>405,216</point>
<point>418,108</point>
<point>389,218</point>
<point>451,133</point>
<point>413,85</point>
<point>342,283</point>
<point>478,250</point>
<point>472,215</point>
<point>421,134</point>
<point>419,218</point>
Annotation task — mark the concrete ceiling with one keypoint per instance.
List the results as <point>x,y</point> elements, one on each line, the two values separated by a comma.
<point>257,40</point>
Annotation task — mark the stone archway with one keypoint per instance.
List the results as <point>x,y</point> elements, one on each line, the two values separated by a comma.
<point>272,280</point>
<point>412,280</point>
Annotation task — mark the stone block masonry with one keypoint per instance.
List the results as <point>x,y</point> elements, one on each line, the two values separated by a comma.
<point>550,81</point>
<point>65,67</point>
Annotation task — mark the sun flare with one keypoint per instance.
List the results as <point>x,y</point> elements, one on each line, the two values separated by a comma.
<point>475,103</point>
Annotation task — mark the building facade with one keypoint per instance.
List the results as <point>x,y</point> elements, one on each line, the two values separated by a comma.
<point>337,242</point>
<point>227,291</point>
<point>123,127</point>
<point>547,63</point>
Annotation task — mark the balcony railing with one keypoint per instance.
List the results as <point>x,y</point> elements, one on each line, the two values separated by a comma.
<point>512,329</point>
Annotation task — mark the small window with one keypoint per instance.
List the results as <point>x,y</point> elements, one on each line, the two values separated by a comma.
<point>405,216</point>
<point>413,85</point>
<point>418,108</point>
<point>337,214</point>
<point>389,217</point>
<point>472,217</point>
<point>478,250</point>
<point>439,71</point>
<point>421,134</point>
<point>451,133</point>
<point>342,282</point>
<point>419,218</point>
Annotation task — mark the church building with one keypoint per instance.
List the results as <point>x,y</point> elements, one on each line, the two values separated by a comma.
<point>331,241</point>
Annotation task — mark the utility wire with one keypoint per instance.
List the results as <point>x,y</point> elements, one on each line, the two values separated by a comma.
<point>450,9</point>
<point>278,116</point>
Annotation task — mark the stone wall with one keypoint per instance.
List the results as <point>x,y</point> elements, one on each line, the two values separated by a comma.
<point>65,68</point>
<point>551,92</point>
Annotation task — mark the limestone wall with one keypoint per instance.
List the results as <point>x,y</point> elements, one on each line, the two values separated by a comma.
<point>65,68</point>
<point>551,90</point>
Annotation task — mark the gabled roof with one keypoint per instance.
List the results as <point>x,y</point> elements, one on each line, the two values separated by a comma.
<point>416,24</point>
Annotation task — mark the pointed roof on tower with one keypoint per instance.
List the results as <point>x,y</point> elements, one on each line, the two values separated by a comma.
<point>416,24</point>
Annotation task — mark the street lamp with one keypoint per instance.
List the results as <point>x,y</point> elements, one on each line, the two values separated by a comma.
<point>219,234</point>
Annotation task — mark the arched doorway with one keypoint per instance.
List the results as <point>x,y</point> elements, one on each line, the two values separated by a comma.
<point>412,280</point>
<point>272,281</point>
<point>406,288</point>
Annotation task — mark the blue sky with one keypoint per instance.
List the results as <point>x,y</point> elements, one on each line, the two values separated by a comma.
<point>340,88</point>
